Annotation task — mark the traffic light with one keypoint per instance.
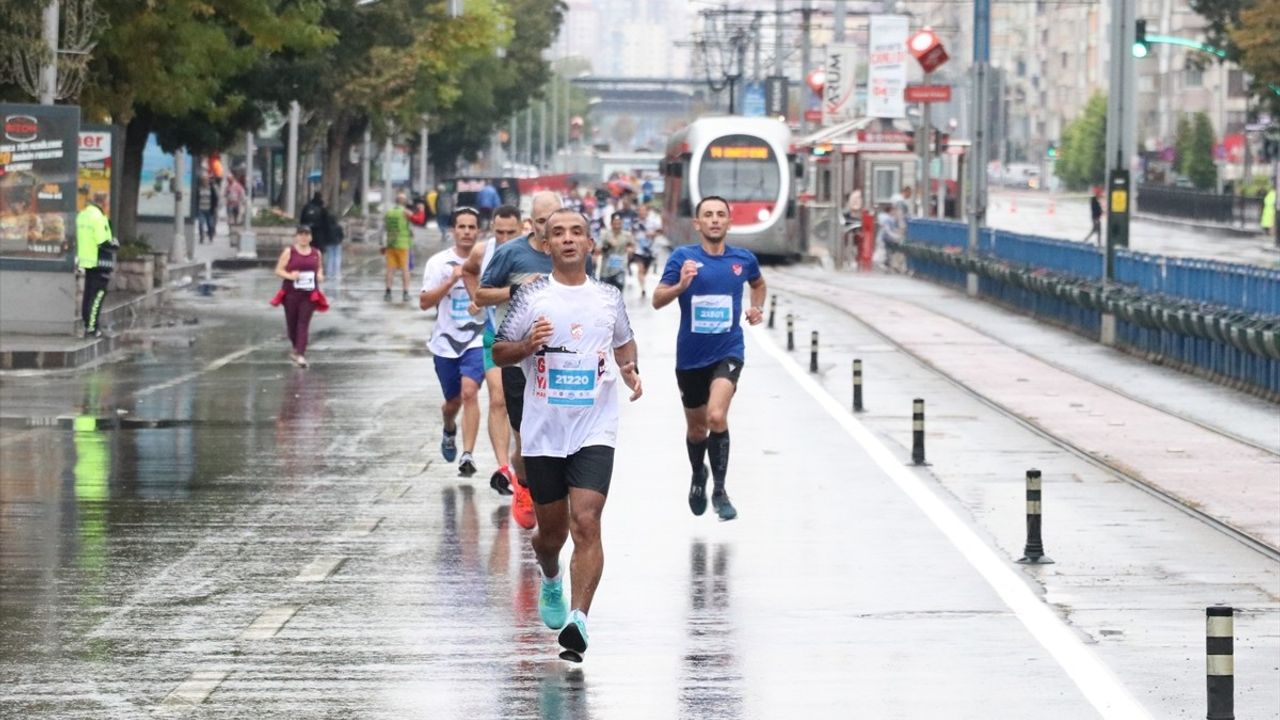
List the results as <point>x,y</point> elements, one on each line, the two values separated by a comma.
<point>1140,46</point>
<point>1052,151</point>
<point>821,150</point>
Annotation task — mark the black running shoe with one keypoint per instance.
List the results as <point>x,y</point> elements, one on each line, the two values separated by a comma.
<point>723,506</point>
<point>573,638</point>
<point>698,491</point>
<point>500,481</point>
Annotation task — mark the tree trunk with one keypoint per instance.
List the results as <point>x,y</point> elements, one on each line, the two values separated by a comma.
<point>336,148</point>
<point>135,141</point>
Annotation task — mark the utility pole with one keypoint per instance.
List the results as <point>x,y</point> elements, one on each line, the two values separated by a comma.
<point>291,162</point>
<point>1120,146</point>
<point>926,151</point>
<point>423,158</point>
<point>49,73</point>
<point>248,240</point>
<point>387,150</point>
<point>528,135</point>
<point>365,149</point>
<point>513,135</point>
<point>778,14</point>
<point>542,134</point>
<point>839,21</point>
<point>806,58</point>
<point>755,36</point>
<point>978,159</point>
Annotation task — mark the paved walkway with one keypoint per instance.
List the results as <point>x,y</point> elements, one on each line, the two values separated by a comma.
<point>1230,480</point>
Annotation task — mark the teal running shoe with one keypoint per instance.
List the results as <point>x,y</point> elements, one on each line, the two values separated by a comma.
<point>723,506</point>
<point>573,638</point>
<point>551,607</point>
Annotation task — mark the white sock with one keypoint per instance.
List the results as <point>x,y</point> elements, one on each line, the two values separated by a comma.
<point>554,578</point>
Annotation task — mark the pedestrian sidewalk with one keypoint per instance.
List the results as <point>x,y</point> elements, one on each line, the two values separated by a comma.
<point>1170,449</point>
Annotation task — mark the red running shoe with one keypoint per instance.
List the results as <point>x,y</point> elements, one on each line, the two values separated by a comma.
<point>522,507</point>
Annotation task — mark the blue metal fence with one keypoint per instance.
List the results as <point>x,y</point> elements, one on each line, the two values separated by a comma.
<point>1245,288</point>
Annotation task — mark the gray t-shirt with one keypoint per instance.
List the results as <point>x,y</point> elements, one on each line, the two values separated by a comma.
<point>514,262</point>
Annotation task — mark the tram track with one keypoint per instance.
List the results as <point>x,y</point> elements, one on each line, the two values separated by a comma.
<point>828,294</point>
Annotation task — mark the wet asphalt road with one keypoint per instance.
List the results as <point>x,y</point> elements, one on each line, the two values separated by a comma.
<point>288,543</point>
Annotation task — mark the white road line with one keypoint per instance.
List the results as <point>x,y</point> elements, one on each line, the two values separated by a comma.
<point>320,569</point>
<point>392,492</point>
<point>1094,679</point>
<point>360,527</point>
<point>213,365</point>
<point>198,686</point>
<point>270,622</point>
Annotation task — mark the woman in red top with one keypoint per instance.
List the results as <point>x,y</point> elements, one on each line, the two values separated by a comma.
<point>300,268</point>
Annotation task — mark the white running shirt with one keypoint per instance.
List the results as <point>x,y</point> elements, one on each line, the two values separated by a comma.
<point>570,398</point>
<point>456,330</point>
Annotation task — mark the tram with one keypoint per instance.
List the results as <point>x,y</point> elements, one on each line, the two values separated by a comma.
<point>745,160</point>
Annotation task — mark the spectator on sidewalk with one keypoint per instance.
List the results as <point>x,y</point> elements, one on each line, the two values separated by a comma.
<point>487,200</point>
<point>1269,211</point>
<point>444,210</point>
<point>324,234</point>
<point>1095,212</point>
<point>94,256</point>
<point>235,200</point>
<point>206,209</point>
<point>398,239</point>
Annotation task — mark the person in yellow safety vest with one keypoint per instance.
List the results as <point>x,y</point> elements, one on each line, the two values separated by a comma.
<point>96,257</point>
<point>1269,211</point>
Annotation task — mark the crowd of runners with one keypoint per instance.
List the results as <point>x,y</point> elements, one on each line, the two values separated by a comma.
<point>534,315</point>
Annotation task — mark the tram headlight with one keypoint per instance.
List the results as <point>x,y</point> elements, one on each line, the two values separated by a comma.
<point>763,214</point>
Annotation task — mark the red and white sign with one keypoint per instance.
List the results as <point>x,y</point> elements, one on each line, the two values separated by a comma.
<point>927,49</point>
<point>928,93</point>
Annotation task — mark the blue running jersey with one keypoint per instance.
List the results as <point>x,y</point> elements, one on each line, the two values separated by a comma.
<point>711,308</point>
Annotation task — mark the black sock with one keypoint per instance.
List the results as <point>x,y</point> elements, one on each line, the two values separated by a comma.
<point>718,449</point>
<point>697,454</point>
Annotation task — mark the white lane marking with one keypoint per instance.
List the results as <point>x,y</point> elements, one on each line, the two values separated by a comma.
<point>1094,679</point>
<point>360,527</point>
<point>270,622</point>
<point>392,492</point>
<point>213,365</point>
<point>198,686</point>
<point>320,569</point>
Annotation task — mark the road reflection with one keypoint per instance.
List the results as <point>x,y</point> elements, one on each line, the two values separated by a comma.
<point>711,682</point>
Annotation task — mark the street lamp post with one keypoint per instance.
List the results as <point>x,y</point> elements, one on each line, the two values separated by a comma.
<point>248,240</point>
<point>49,73</point>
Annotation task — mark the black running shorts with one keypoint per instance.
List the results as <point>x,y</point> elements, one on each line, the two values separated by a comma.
<point>695,384</point>
<point>549,478</point>
<point>513,393</point>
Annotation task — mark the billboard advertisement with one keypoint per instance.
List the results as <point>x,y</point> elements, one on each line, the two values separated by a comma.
<point>887,67</point>
<point>97,159</point>
<point>155,188</point>
<point>840,84</point>
<point>38,180</point>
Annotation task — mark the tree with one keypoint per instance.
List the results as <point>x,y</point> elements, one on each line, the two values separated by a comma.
<point>1182,145</point>
<point>1246,31</point>
<point>1199,166</point>
<point>1082,150</point>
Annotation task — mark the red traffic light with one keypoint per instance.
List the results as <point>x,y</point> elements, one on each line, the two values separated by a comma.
<point>927,49</point>
<point>816,80</point>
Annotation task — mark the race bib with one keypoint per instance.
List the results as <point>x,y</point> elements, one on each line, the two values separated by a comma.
<point>616,263</point>
<point>306,281</point>
<point>460,309</point>
<point>712,314</point>
<point>570,379</point>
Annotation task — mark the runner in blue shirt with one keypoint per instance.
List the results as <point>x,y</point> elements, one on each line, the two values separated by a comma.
<point>707,280</point>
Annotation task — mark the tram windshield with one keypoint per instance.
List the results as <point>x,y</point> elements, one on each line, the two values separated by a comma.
<point>739,168</point>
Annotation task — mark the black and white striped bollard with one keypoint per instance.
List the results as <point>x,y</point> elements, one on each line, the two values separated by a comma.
<point>773,307</point>
<point>791,332</point>
<point>857,385</point>
<point>1033,551</point>
<point>917,431</point>
<point>813,351</point>
<point>1219,641</point>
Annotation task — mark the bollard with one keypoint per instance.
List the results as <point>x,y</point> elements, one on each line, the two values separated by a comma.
<point>791,332</point>
<point>1033,552</point>
<point>917,431</point>
<point>773,307</point>
<point>857,385</point>
<point>1219,641</point>
<point>813,351</point>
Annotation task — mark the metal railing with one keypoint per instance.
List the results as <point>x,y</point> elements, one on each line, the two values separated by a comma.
<point>1233,210</point>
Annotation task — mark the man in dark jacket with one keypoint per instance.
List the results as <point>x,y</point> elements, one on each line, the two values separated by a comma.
<point>326,234</point>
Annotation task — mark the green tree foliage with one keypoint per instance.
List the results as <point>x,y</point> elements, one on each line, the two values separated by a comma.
<point>1182,145</point>
<point>1200,167</point>
<point>1082,150</point>
<point>1246,30</point>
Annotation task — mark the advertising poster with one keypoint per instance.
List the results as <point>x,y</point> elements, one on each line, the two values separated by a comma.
<point>753,99</point>
<point>838,92</point>
<point>97,163</point>
<point>38,146</point>
<point>155,188</point>
<point>887,67</point>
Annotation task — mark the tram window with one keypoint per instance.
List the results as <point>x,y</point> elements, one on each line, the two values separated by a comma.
<point>884,183</point>
<point>740,168</point>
